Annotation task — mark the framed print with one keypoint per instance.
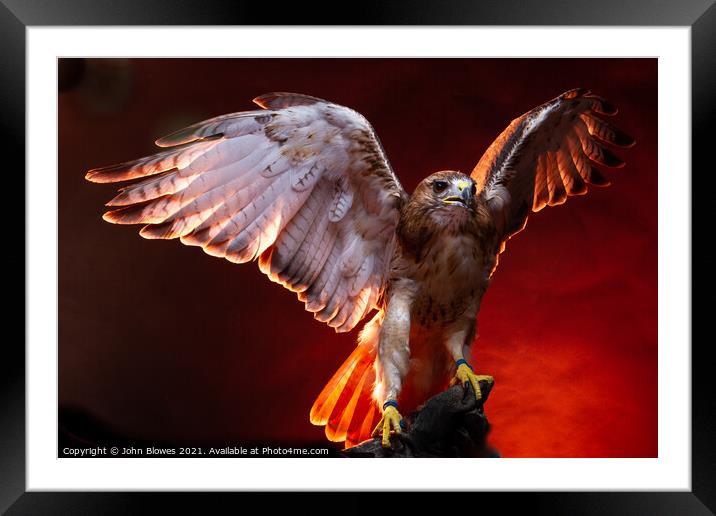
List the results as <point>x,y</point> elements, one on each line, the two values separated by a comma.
<point>151,366</point>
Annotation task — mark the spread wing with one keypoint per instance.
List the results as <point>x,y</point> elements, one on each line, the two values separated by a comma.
<point>546,155</point>
<point>302,185</point>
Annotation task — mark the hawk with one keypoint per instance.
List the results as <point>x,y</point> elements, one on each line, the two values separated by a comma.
<point>304,187</point>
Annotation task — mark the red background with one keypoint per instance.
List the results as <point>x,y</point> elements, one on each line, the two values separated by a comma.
<point>164,342</point>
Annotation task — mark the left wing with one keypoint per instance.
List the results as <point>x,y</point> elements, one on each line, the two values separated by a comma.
<point>303,186</point>
<point>546,155</point>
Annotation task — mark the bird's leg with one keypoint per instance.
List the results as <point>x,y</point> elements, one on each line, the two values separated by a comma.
<point>393,361</point>
<point>458,344</point>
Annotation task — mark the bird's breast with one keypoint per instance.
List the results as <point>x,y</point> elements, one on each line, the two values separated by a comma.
<point>451,280</point>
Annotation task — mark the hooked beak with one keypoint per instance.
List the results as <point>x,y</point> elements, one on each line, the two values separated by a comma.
<point>464,194</point>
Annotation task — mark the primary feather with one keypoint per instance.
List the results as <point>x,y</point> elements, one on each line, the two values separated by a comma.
<point>545,155</point>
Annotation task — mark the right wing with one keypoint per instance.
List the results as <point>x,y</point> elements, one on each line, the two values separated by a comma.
<point>303,185</point>
<point>546,155</point>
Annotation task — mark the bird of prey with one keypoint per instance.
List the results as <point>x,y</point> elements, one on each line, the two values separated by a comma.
<point>303,186</point>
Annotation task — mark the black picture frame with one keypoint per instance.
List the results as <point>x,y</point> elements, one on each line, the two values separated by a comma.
<point>16,15</point>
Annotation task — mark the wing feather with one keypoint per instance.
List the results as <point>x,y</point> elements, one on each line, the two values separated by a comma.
<point>545,156</point>
<point>302,185</point>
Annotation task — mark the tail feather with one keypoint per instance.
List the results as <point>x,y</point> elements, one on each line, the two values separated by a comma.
<point>345,406</point>
<point>363,415</point>
<point>363,432</point>
<point>329,396</point>
<point>343,415</point>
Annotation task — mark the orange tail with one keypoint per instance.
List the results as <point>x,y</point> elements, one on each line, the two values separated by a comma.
<point>345,406</point>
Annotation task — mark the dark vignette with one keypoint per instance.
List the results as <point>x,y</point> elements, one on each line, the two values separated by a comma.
<point>16,14</point>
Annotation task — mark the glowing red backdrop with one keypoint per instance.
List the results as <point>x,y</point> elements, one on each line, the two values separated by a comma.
<point>164,342</point>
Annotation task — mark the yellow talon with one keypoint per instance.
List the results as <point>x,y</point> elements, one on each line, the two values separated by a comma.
<point>465,374</point>
<point>391,419</point>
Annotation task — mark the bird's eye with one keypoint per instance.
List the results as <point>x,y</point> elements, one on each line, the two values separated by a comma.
<point>474,189</point>
<point>439,186</point>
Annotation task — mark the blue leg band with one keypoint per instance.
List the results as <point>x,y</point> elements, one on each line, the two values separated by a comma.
<point>390,403</point>
<point>458,363</point>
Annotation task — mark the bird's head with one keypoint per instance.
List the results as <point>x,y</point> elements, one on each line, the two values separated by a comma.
<point>448,189</point>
